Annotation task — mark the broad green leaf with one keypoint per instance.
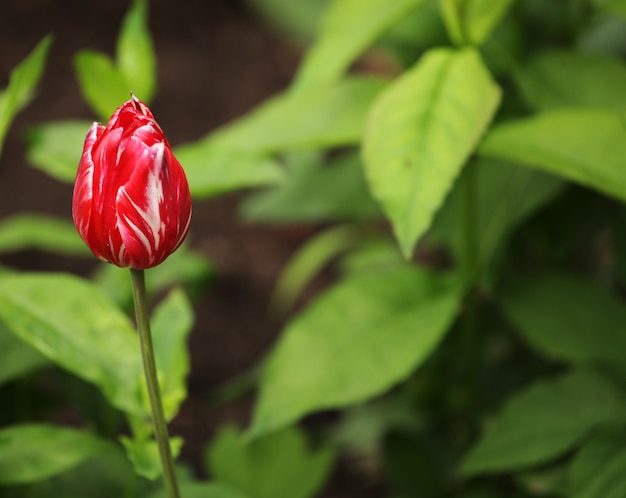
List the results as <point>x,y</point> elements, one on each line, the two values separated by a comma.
<point>56,147</point>
<point>279,464</point>
<point>545,420</point>
<point>22,83</point>
<point>556,79</point>
<point>171,324</point>
<point>214,169</point>
<point>368,333</point>
<point>318,118</point>
<point>73,323</point>
<point>43,232</point>
<point>144,454</point>
<point>568,318</point>
<point>296,19</point>
<point>598,469</point>
<point>16,357</point>
<point>419,134</point>
<point>469,22</point>
<point>135,54</point>
<point>203,490</point>
<point>315,193</point>
<point>586,146</point>
<point>33,452</point>
<point>349,27</point>
<point>103,86</point>
<point>505,195</point>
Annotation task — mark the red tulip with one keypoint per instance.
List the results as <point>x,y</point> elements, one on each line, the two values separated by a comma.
<point>131,202</point>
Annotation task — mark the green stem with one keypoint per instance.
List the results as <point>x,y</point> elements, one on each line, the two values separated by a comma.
<point>149,365</point>
<point>469,227</point>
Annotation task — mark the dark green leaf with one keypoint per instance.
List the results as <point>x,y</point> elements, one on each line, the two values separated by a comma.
<point>419,134</point>
<point>586,146</point>
<point>30,452</point>
<point>145,455</point>
<point>348,28</point>
<point>74,324</point>
<point>573,79</point>
<point>368,333</point>
<point>203,490</point>
<point>36,231</point>
<point>276,465</point>
<point>22,83</point>
<point>544,421</point>
<point>16,357</point>
<point>56,147</point>
<point>598,469</point>
<point>568,318</point>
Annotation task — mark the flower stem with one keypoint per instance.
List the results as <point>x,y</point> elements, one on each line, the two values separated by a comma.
<point>149,365</point>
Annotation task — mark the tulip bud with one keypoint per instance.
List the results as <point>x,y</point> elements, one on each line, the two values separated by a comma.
<point>131,204</point>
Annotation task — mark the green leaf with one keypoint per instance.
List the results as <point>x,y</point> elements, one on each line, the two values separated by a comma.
<point>103,86</point>
<point>586,146</point>
<point>213,168</point>
<point>319,118</point>
<point>315,193</point>
<point>135,53</point>
<point>296,19</point>
<point>506,195</point>
<point>348,28</point>
<point>279,464</point>
<point>144,454</point>
<point>171,324</point>
<point>16,357</point>
<point>46,233</point>
<point>568,318</point>
<point>470,22</point>
<point>544,421</point>
<point>613,6</point>
<point>55,148</point>
<point>73,323</point>
<point>368,333</point>
<point>556,79</point>
<point>33,452</point>
<point>598,469</point>
<point>22,83</point>
<point>203,490</point>
<point>419,134</point>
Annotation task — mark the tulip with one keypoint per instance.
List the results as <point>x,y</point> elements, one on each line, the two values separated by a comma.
<point>131,204</point>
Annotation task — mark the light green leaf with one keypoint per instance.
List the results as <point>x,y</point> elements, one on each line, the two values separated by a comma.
<point>586,146</point>
<point>506,194</point>
<point>419,134</point>
<point>319,118</point>
<point>213,168</point>
<point>135,53</point>
<point>470,22</point>
<point>613,6</point>
<point>315,193</point>
<point>277,465</point>
<point>368,333</point>
<point>295,19</point>
<point>16,357</point>
<point>103,86</point>
<point>38,231</point>
<point>598,469</point>
<point>568,318</point>
<point>55,148</point>
<point>556,79</point>
<point>73,323</point>
<point>144,454</point>
<point>349,27</point>
<point>545,420</point>
<point>171,324</point>
<point>33,452</point>
<point>22,83</point>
